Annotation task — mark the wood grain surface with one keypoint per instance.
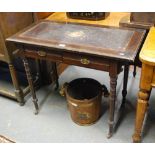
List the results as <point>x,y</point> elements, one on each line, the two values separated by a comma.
<point>147,53</point>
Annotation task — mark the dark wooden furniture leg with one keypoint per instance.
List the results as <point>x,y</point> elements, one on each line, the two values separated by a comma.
<point>134,70</point>
<point>30,81</point>
<point>125,82</point>
<point>57,77</point>
<point>143,97</point>
<point>54,76</point>
<point>18,90</point>
<point>113,83</point>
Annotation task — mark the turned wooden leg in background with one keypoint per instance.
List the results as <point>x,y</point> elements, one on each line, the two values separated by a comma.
<point>134,70</point>
<point>113,84</point>
<point>125,82</point>
<point>30,81</point>
<point>142,105</point>
<point>18,90</point>
<point>54,76</point>
<point>143,97</point>
<point>57,77</point>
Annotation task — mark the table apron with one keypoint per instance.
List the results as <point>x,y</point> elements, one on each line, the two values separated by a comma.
<point>42,55</point>
<point>83,60</point>
<point>86,61</point>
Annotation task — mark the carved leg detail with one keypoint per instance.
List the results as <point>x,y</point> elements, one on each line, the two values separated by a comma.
<point>18,90</point>
<point>143,97</point>
<point>142,106</point>
<point>125,82</point>
<point>113,83</point>
<point>30,81</point>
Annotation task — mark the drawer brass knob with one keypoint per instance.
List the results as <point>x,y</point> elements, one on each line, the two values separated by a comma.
<point>85,61</point>
<point>41,53</point>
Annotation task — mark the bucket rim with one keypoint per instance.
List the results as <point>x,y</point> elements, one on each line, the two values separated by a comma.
<point>85,100</point>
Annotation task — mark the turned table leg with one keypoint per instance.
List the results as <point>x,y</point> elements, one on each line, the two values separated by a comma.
<point>18,90</point>
<point>142,105</point>
<point>113,84</point>
<point>57,77</point>
<point>143,97</point>
<point>125,82</point>
<point>30,81</point>
<point>134,70</point>
<point>54,76</point>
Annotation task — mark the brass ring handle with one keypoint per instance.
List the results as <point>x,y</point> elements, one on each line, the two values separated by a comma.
<point>85,61</point>
<point>42,53</point>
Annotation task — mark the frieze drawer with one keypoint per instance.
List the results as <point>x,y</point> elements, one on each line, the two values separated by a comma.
<point>52,56</point>
<point>86,61</point>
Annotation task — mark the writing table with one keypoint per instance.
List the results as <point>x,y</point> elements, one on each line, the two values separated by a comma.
<point>99,47</point>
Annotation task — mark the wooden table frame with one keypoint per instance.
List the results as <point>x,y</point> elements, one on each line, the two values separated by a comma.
<point>114,69</point>
<point>84,59</point>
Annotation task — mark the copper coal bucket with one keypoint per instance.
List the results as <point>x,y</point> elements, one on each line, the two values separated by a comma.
<point>84,97</point>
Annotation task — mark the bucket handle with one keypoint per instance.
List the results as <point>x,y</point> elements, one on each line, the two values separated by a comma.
<point>105,91</point>
<point>63,89</point>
